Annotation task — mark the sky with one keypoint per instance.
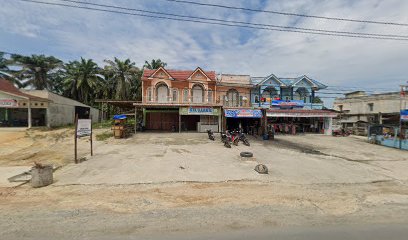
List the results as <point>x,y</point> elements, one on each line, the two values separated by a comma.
<point>67,33</point>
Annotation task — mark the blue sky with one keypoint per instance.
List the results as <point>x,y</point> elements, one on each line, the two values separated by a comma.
<point>69,34</point>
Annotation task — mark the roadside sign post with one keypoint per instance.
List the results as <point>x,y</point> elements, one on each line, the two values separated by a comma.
<point>83,128</point>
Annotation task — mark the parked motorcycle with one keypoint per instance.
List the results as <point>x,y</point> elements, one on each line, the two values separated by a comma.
<point>140,127</point>
<point>226,139</point>
<point>243,138</point>
<point>235,138</point>
<point>210,134</point>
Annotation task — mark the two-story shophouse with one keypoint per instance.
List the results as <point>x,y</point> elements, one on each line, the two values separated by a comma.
<point>180,100</point>
<point>234,92</point>
<point>289,104</point>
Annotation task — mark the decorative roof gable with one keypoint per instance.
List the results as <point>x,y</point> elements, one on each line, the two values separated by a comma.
<point>196,73</point>
<point>270,80</point>
<point>161,72</point>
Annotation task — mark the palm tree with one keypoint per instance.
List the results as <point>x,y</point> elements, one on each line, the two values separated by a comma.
<point>154,64</point>
<point>5,71</point>
<point>82,78</point>
<point>125,77</point>
<point>35,69</point>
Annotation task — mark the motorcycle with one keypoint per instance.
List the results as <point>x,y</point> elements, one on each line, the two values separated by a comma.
<point>210,135</point>
<point>140,127</point>
<point>234,137</point>
<point>226,139</point>
<point>243,138</point>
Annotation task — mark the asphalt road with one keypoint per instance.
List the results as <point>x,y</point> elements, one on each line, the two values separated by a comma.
<point>353,232</point>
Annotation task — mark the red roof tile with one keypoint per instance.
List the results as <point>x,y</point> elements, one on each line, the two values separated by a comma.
<point>179,74</point>
<point>8,87</point>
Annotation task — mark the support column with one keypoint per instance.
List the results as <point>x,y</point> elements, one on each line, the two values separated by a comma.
<point>179,122</point>
<point>135,119</point>
<point>29,114</point>
<point>328,125</point>
<point>220,121</point>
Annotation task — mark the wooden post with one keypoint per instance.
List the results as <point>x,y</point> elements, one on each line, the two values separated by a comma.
<point>76,138</point>
<point>135,119</point>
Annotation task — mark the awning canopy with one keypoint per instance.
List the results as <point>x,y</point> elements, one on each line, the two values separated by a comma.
<point>300,113</point>
<point>243,113</point>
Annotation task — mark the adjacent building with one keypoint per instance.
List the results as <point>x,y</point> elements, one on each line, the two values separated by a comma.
<point>358,110</point>
<point>35,108</point>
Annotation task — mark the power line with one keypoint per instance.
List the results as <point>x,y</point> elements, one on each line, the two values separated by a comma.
<point>290,14</point>
<point>235,22</point>
<point>217,23</point>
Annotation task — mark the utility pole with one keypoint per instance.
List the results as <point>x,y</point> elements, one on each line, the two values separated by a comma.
<point>404,89</point>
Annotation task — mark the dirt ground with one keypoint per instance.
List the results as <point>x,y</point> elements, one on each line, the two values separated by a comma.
<point>125,190</point>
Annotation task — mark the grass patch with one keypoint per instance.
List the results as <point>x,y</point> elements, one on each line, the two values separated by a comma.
<point>103,136</point>
<point>103,124</point>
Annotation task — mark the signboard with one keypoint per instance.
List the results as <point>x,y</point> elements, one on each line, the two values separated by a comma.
<point>404,115</point>
<point>194,110</point>
<point>5,103</point>
<point>200,111</point>
<point>84,127</point>
<point>243,113</point>
<point>300,114</point>
<point>287,104</point>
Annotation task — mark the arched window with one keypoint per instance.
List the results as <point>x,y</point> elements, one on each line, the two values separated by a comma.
<point>185,95</point>
<point>162,93</point>
<point>210,96</point>
<point>197,94</point>
<point>175,95</point>
<point>149,94</point>
<point>233,98</point>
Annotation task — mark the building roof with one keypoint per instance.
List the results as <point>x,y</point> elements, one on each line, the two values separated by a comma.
<point>8,87</point>
<point>288,82</point>
<point>181,75</point>
<point>232,79</point>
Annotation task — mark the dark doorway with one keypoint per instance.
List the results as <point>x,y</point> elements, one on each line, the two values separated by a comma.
<point>189,122</point>
<point>82,112</point>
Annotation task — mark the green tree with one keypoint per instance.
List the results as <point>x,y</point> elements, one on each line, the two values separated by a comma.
<point>5,71</point>
<point>317,100</point>
<point>154,64</point>
<point>125,77</point>
<point>82,80</point>
<point>35,69</point>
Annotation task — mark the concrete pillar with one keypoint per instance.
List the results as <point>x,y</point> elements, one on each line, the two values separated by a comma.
<point>380,120</point>
<point>220,121</point>
<point>179,122</point>
<point>47,116</point>
<point>328,125</point>
<point>29,114</point>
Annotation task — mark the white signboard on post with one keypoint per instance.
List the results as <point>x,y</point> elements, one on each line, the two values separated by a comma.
<point>84,127</point>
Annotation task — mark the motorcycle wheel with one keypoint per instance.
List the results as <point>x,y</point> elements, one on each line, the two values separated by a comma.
<point>212,138</point>
<point>227,145</point>
<point>236,141</point>
<point>246,143</point>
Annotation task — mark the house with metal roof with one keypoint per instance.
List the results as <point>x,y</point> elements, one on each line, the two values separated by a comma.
<point>35,108</point>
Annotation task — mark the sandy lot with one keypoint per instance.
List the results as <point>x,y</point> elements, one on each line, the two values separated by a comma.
<point>155,184</point>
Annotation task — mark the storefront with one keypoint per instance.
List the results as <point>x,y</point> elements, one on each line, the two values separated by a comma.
<point>293,121</point>
<point>250,120</point>
<point>180,117</point>
<point>200,119</point>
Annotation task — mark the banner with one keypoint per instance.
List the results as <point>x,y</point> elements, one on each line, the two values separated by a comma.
<point>404,115</point>
<point>243,113</point>
<point>5,103</point>
<point>287,104</point>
